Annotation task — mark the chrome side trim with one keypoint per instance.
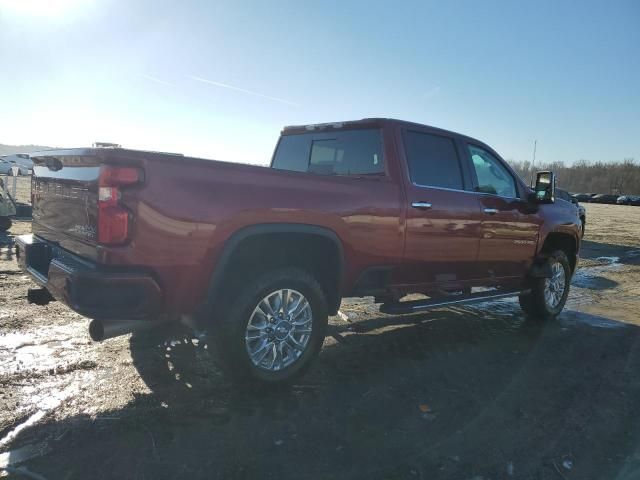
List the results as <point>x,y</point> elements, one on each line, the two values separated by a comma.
<point>463,191</point>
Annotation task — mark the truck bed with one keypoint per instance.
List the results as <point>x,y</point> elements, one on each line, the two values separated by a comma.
<point>184,209</point>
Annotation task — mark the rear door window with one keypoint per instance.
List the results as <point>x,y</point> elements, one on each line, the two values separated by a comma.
<point>433,160</point>
<point>349,152</point>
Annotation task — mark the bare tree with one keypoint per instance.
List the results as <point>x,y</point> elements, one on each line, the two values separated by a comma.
<point>589,177</point>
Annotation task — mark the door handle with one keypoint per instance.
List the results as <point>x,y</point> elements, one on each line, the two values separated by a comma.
<point>490,211</point>
<point>421,205</point>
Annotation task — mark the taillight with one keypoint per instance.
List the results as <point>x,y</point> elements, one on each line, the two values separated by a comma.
<point>113,219</point>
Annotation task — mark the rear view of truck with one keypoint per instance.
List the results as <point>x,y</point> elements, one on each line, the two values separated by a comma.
<point>79,215</point>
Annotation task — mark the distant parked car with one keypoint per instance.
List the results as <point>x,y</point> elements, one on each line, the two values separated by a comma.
<point>20,160</point>
<point>628,200</point>
<point>582,197</point>
<point>7,209</point>
<point>605,198</point>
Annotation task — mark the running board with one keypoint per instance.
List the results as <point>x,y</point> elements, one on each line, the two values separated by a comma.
<point>413,306</point>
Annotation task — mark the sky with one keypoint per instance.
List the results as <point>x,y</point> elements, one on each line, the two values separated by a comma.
<point>219,79</point>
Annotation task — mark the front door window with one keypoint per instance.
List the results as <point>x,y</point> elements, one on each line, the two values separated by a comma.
<point>492,175</point>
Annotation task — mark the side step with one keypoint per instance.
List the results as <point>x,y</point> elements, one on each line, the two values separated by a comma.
<point>413,306</point>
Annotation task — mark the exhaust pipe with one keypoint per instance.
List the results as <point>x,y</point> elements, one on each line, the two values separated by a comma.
<point>101,330</point>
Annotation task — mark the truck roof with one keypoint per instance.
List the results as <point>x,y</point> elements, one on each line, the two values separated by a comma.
<point>375,122</point>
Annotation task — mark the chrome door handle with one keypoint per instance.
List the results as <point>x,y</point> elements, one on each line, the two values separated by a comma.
<point>421,205</point>
<point>490,211</point>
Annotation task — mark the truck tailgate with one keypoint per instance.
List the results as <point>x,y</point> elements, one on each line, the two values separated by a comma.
<point>64,193</point>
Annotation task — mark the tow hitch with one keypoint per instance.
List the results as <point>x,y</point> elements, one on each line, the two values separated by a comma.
<point>39,296</point>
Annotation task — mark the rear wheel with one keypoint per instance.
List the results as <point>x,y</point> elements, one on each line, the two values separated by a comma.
<point>549,295</point>
<point>5,224</point>
<point>273,329</point>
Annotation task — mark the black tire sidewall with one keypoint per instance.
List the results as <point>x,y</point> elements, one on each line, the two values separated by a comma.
<point>538,298</point>
<point>230,331</point>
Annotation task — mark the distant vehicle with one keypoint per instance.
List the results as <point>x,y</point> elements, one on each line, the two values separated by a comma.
<point>605,198</point>
<point>7,209</point>
<point>582,213</point>
<point>582,197</point>
<point>20,160</point>
<point>628,200</point>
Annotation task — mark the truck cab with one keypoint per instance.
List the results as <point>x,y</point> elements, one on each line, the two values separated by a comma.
<point>462,217</point>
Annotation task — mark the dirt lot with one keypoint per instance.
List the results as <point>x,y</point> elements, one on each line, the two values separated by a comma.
<point>458,393</point>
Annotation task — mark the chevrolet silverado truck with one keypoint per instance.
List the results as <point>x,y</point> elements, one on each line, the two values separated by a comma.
<point>261,256</point>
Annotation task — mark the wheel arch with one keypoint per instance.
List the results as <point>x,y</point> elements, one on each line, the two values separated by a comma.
<point>565,241</point>
<point>292,233</point>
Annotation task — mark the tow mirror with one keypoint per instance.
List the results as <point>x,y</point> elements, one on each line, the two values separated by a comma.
<point>545,188</point>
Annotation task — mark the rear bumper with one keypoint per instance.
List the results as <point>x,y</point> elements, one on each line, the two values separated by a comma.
<point>89,289</point>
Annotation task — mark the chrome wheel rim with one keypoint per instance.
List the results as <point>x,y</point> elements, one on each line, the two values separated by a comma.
<point>554,287</point>
<point>279,330</point>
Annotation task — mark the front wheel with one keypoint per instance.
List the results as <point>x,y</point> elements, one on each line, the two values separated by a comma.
<point>549,295</point>
<point>273,330</point>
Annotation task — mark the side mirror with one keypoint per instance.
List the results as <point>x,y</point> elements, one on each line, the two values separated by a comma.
<point>545,189</point>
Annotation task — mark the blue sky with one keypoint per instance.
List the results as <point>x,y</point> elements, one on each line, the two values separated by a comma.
<point>219,79</point>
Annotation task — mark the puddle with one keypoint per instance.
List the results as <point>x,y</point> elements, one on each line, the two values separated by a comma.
<point>22,454</point>
<point>591,277</point>
<point>36,351</point>
<point>32,420</point>
<point>45,403</point>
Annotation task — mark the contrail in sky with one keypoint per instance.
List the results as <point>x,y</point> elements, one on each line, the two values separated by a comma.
<point>243,90</point>
<point>157,80</point>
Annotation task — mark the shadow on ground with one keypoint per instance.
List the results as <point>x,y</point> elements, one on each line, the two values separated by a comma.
<point>460,393</point>
<point>625,254</point>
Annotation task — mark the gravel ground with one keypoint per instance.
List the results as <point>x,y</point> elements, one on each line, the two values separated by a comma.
<point>474,392</point>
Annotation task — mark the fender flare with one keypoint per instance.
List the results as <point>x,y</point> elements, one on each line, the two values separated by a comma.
<point>236,238</point>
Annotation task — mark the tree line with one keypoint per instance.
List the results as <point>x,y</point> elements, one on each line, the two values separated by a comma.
<point>583,176</point>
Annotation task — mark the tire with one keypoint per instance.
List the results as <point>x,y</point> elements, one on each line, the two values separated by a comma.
<point>547,299</point>
<point>231,329</point>
<point>5,224</point>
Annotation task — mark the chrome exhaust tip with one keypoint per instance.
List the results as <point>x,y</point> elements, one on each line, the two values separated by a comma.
<point>103,329</point>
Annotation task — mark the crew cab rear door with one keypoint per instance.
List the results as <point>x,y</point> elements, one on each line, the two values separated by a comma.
<point>509,231</point>
<point>443,215</point>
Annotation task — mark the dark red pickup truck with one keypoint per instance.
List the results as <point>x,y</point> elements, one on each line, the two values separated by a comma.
<point>262,256</point>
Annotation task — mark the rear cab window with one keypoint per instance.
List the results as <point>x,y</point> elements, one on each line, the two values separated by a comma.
<point>347,152</point>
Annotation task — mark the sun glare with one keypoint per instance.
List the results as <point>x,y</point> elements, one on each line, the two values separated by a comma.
<point>39,8</point>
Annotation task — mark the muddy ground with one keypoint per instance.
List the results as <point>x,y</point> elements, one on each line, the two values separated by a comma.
<point>458,393</point>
